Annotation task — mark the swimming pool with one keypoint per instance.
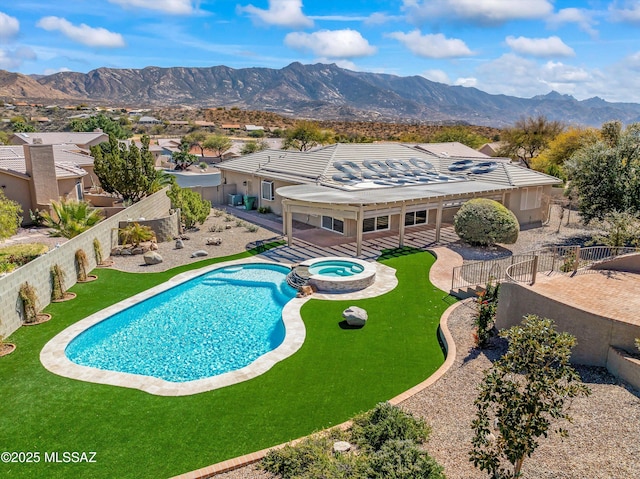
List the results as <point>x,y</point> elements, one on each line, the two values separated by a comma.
<point>339,274</point>
<point>215,323</point>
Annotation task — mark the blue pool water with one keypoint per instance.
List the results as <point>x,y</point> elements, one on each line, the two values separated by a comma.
<point>218,322</point>
<point>336,268</point>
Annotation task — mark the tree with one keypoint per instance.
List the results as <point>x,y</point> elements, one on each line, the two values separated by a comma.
<point>4,138</point>
<point>461,134</point>
<point>196,138</point>
<point>126,171</point>
<point>605,175</point>
<point>182,157</point>
<point>528,138</point>
<point>70,218</point>
<point>116,128</point>
<point>253,147</point>
<point>193,208</point>
<point>217,143</point>
<point>10,217</point>
<point>619,228</point>
<point>561,148</point>
<point>521,394</point>
<point>306,135</point>
<point>484,222</point>
<point>21,127</point>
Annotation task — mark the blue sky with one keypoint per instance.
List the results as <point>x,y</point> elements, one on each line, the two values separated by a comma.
<point>513,47</point>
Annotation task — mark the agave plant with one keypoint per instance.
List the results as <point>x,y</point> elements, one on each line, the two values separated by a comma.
<point>70,217</point>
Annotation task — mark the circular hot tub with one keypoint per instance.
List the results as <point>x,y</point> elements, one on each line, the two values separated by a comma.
<point>334,274</point>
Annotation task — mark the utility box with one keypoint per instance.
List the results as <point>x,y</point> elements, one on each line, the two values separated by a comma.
<point>235,200</point>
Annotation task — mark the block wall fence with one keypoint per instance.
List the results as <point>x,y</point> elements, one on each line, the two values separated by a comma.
<point>37,272</point>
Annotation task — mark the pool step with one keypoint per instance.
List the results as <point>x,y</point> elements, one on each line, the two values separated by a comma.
<point>298,277</point>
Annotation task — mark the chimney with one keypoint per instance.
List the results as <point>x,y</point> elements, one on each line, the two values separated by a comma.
<point>37,141</point>
<point>97,130</point>
<point>40,166</point>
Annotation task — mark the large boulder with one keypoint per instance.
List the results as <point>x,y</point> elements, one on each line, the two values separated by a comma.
<point>152,257</point>
<point>199,253</point>
<point>355,316</point>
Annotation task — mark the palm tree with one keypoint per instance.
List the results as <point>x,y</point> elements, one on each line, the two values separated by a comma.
<point>70,217</point>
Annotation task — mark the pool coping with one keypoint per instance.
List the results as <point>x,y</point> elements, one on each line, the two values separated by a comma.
<point>54,359</point>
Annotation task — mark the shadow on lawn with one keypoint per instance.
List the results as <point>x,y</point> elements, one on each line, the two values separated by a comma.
<point>397,252</point>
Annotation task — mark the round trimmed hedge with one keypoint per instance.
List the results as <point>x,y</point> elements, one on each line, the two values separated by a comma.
<point>485,222</point>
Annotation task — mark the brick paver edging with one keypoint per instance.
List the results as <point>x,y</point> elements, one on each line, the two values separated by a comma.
<point>247,459</point>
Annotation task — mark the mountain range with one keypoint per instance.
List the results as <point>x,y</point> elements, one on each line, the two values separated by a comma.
<point>320,91</point>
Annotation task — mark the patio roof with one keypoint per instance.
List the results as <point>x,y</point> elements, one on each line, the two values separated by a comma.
<point>326,195</point>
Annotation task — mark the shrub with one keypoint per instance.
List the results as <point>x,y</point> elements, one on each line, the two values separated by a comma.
<point>193,208</point>
<point>264,209</point>
<point>403,460</point>
<point>135,234</point>
<point>485,222</point>
<point>97,250</point>
<point>14,256</point>
<point>10,216</point>
<point>385,423</point>
<point>252,228</point>
<point>57,283</point>
<point>70,217</point>
<point>83,264</point>
<point>487,305</point>
<point>29,299</point>
<point>240,223</point>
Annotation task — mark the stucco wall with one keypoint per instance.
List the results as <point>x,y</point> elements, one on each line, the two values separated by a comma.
<point>17,189</point>
<point>595,334</point>
<point>629,263</point>
<point>37,272</point>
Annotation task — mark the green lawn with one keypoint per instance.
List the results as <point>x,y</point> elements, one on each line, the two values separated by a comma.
<point>336,374</point>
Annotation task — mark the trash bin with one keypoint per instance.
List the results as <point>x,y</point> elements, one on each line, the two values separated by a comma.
<point>249,202</point>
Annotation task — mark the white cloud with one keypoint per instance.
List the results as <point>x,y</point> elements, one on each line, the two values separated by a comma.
<point>283,13</point>
<point>540,47</point>
<point>378,18</point>
<point>432,45</point>
<point>12,59</point>
<point>439,76</point>
<point>468,82</point>
<point>556,73</point>
<point>485,11</point>
<point>176,7</point>
<point>629,13</point>
<point>331,43</point>
<point>583,18</point>
<point>9,26</point>
<point>92,37</point>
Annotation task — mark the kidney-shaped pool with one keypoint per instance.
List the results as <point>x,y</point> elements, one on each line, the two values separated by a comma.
<point>212,325</point>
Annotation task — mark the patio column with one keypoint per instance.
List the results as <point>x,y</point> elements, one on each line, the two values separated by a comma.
<point>403,212</point>
<point>359,224</point>
<point>438,221</point>
<point>287,218</point>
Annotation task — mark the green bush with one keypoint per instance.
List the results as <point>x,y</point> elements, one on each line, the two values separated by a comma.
<point>485,222</point>
<point>14,256</point>
<point>264,209</point>
<point>193,208</point>
<point>387,447</point>
<point>386,423</point>
<point>403,460</point>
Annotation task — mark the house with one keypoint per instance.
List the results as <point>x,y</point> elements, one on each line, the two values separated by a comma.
<point>230,126</point>
<point>356,189</point>
<point>33,175</point>
<point>491,149</point>
<point>204,124</point>
<point>149,120</point>
<point>253,128</point>
<point>452,149</point>
<point>83,140</point>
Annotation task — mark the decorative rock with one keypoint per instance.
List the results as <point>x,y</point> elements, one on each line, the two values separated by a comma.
<point>199,253</point>
<point>153,247</point>
<point>306,290</point>
<point>179,243</point>
<point>214,241</point>
<point>228,227</point>
<point>137,250</point>
<point>355,316</point>
<point>125,252</point>
<point>152,257</point>
<point>341,446</point>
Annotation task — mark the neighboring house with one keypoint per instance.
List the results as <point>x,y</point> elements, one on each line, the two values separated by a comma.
<point>84,140</point>
<point>205,124</point>
<point>355,189</point>
<point>452,149</point>
<point>33,175</point>
<point>149,120</point>
<point>230,126</point>
<point>491,149</point>
<point>253,128</point>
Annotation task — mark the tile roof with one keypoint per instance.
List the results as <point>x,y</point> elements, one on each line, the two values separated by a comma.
<point>67,162</point>
<point>56,138</point>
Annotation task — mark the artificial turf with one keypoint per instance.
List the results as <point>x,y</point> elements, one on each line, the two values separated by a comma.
<point>336,374</point>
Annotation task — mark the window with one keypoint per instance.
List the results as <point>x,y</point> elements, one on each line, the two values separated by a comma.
<point>267,190</point>
<point>333,224</point>
<point>79,192</point>
<point>378,223</point>
<point>415,218</point>
<point>530,198</point>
